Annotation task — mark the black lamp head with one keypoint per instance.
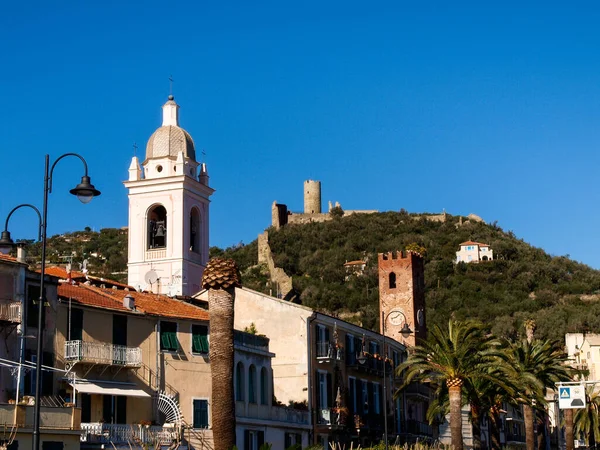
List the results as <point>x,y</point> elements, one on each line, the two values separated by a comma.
<point>6,243</point>
<point>85,190</point>
<point>405,331</point>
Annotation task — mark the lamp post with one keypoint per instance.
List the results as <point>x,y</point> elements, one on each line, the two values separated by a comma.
<point>84,191</point>
<point>405,332</point>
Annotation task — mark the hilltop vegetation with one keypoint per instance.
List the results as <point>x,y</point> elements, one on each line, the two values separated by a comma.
<point>522,282</point>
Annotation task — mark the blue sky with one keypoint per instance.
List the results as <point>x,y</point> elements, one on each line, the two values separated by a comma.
<point>492,110</point>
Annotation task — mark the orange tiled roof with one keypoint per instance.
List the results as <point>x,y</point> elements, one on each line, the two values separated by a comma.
<point>61,273</point>
<point>8,258</point>
<point>474,243</point>
<point>145,303</point>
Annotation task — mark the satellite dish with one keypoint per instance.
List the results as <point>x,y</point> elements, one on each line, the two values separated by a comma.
<point>151,277</point>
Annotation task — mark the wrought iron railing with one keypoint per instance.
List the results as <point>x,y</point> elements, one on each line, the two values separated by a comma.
<point>101,353</point>
<point>10,312</point>
<point>103,433</point>
<point>327,350</point>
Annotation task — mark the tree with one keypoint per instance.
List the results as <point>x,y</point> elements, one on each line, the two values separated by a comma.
<point>587,420</point>
<point>535,366</point>
<point>451,357</point>
<point>221,277</point>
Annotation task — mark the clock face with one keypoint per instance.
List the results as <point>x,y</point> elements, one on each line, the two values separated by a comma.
<point>396,317</point>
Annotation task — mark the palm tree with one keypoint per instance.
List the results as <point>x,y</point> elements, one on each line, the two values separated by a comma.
<point>587,420</point>
<point>450,357</point>
<point>220,277</point>
<point>535,366</point>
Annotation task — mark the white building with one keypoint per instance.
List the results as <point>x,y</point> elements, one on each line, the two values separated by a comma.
<point>168,212</point>
<point>584,350</point>
<point>471,251</point>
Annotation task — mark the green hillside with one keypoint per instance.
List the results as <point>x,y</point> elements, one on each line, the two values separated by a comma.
<point>522,282</point>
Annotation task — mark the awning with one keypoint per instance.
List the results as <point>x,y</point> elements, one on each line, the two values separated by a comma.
<point>99,387</point>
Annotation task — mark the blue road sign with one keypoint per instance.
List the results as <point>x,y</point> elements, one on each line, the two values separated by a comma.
<point>565,393</point>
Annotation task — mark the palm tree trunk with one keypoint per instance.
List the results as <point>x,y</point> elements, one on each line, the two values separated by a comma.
<point>570,438</point>
<point>455,417</point>
<point>495,429</point>
<point>529,430</point>
<point>220,304</point>
<point>476,426</point>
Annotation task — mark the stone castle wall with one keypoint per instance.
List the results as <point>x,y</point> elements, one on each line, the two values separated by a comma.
<point>277,274</point>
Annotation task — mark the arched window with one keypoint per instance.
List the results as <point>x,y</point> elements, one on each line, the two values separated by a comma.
<point>392,280</point>
<point>252,384</point>
<point>239,382</point>
<point>195,230</point>
<point>264,389</point>
<point>157,227</point>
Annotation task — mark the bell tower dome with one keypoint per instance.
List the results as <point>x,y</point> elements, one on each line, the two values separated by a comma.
<point>168,212</point>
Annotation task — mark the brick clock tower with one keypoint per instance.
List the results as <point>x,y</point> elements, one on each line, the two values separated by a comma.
<point>402,295</point>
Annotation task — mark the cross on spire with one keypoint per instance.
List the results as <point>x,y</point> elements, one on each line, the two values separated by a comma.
<point>170,84</point>
<point>203,155</point>
<point>135,147</point>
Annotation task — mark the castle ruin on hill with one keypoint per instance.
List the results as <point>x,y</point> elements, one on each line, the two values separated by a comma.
<point>280,215</point>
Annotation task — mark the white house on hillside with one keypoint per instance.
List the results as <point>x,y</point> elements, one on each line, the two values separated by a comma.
<point>474,252</point>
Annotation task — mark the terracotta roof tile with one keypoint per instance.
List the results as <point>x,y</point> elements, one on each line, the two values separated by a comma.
<point>151,304</point>
<point>7,258</point>
<point>474,243</point>
<point>61,273</point>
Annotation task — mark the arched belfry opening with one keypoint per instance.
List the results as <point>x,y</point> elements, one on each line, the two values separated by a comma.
<point>195,230</point>
<point>392,281</point>
<point>157,227</point>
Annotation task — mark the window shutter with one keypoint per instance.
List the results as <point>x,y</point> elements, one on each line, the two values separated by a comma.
<point>358,394</point>
<point>318,389</point>
<point>261,438</point>
<point>370,397</point>
<point>196,345</point>
<point>327,335</point>
<point>287,441</point>
<point>164,341</point>
<point>298,439</point>
<point>246,440</point>
<point>174,341</point>
<point>349,356</point>
<point>204,344</point>
<point>329,391</point>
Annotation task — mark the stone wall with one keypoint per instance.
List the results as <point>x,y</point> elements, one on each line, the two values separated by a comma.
<point>277,274</point>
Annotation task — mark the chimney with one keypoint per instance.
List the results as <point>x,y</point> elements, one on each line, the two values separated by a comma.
<point>21,253</point>
<point>129,301</point>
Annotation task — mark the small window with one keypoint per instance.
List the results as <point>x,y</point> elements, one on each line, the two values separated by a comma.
<point>199,339</point>
<point>252,384</point>
<point>200,418</point>
<point>168,337</point>
<point>264,386</point>
<point>239,382</point>
<point>195,230</point>
<point>76,325</point>
<point>157,227</point>
<point>392,280</point>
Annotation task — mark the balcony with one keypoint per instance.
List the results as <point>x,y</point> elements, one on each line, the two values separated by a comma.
<point>327,351</point>
<point>103,433</point>
<point>160,253</point>
<point>101,353</point>
<point>63,418</point>
<point>253,341</point>
<point>10,312</point>
<point>274,413</point>
<point>332,417</point>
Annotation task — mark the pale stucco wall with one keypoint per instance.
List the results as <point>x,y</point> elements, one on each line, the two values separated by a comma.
<point>284,323</point>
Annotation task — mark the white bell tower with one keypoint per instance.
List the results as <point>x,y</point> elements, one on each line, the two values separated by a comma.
<point>168,212</point>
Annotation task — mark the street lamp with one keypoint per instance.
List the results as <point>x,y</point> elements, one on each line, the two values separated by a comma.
<point>84,191</point>
<point>405,332</point>
<point>6,243</point>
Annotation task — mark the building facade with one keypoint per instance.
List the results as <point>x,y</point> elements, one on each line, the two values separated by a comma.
<point>471,251</point>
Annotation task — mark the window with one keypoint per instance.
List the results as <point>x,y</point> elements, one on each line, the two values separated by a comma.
<point>350,350</point>
<point>120,330</point>
<point>114,409</point>
<point>352,394</point>
<point>253,439</point>
<point>322,341</point>
<point>195,230</point>
<point>292,439</point>
<point>324,396</point>
<point>239,382</point>
<point>33,297</point>
<point>252,384</point>
<point>365,396</point>
<point>168,336</point>
<point>376,398</point>
<point>157,227</point>
<point>264,390</point>
<point>392,281</point>
<point>374,348</point>
<point>199,339</point>
<point>200,413</point>
<point>76,325</point>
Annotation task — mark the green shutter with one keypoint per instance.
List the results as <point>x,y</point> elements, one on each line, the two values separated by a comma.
<point>203,344</point>
<point>196,344</point>
<point>173,341</point>
<point>200,418</point>
<point>164,341</point>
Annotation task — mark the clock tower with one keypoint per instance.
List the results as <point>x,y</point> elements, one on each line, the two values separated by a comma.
<point>402,296</point>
